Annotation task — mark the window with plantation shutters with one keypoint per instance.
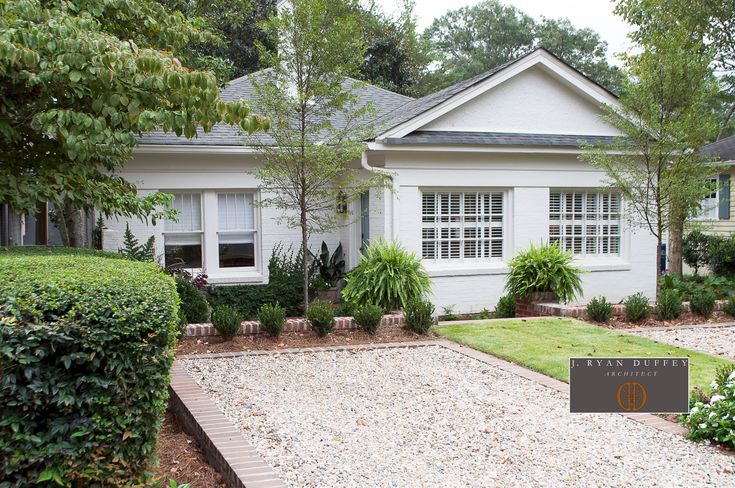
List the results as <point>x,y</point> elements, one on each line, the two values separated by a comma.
<point>462,226</point>
<point>236,229</point>
<point>586,223</point>
<point>183,236</point>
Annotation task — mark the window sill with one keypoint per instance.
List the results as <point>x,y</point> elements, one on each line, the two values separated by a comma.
<point>463,269</point>
<point>236,277</point>
<point>594,265</point>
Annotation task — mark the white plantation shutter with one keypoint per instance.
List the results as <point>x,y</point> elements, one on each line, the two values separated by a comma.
<point>586,223</point>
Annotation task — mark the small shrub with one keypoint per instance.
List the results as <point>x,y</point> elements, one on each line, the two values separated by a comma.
<point>695,250</point>
<point>506,307</point>
<point>722,255</point>
<point>703,303</point>
<point>272,319</point>
<point>419,315</point>
<point>668,305</point>
<point>194,308</point>
<point>387,276</point>
<point>227,320</point>
<point>637,308</point>
<point>135,251</point>
<point>86,343</point>
<point>321,317</point>
<point>545,268</point>
<point>729,307</point>
<point>331,267</point>
<point>485,313</point>
<point>368,317</point>
<point>448,313</point>
<point>599,309</point>
<point>712,418</point>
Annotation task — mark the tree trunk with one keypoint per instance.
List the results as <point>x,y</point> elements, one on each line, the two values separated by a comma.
<point>658,258</point>
<point>304,254</point>
<point>72,225</point>
<point>676,239</point>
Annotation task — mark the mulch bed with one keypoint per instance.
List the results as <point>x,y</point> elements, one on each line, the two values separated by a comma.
<point>287,340</point>
<point>182,460</point>
<point>688,318</point>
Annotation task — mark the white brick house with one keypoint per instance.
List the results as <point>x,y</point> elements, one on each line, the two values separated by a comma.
<point>480,170</point>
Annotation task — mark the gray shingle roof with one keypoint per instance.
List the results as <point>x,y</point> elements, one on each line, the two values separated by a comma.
<point>497,139</point>
<point>383,102</point>
<point>724,148</point>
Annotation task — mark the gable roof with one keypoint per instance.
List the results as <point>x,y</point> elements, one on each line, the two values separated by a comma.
<point>724,148</point>
<point>383,102</point>
<point>441,137</point>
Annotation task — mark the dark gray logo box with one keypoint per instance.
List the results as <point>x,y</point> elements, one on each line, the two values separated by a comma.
<point>653,385</point>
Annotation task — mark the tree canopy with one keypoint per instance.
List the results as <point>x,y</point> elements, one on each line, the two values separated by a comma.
<point>78,81</point>
<point>470,40</point>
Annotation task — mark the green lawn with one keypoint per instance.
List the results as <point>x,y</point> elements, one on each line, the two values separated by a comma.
<point>545,345</point>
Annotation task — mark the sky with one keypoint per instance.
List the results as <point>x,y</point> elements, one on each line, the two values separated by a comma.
<point>597,14</point>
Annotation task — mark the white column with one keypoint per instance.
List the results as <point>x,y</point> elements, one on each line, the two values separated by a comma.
<point>210,252</point>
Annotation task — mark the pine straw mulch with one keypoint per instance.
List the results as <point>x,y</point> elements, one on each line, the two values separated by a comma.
<point>287,340</point>
<point>688,318</point>
<point>182,460</point>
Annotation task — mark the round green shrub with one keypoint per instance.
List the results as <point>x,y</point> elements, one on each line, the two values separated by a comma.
<point>227,320</point>
<point>321,317</point>
<point>86,347</point>
<point>506,307</point>
<point>368,317</point>
<point>388,276</point>
<point>729,307</point>
<point>272,319</point>
<point>668,305</point>
<point>545,268</point>
<point>194,307</point>
<point>599,309</point>
<point>419,315</point>
<point>637,308</point>
<point>703,303</point>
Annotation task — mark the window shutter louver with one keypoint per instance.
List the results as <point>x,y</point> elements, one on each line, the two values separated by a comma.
<point>724,203</point>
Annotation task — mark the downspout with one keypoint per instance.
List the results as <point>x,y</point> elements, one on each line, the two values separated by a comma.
<point>391,227</point>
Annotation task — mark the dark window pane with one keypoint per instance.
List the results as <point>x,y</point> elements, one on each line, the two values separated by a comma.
<point>184,255</point>
<point>236,255</point>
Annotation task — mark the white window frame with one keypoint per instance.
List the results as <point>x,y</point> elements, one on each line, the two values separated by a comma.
<point>585,222</point>
<point>254,231</point>
<point>708,211</point>
<point>504,239</point>
<point>199,232</point>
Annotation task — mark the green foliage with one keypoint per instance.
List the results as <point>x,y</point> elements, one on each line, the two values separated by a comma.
<point>194,307</point>
<point>470,40</point>
<point>729,307</point>
<point>321,317</point>
<point>637,308</point>
<point>79,81</point>
<point>284,287</point>
<point>227,320</point>
<point>599,309</point>
<point>368,317</point>
<point>388,276</point>
<point>272,318</point>
<point>331,267</point>
<point>714,420</point>
<point>419,315</point>
<point>448,313</point>
<point>721,286</point>
<point>668,305</point>
<point>135,251</point>
<point>696,250</point>
<point>722,255</point>
<point>97,231</point>
<point>546,268</point>
<point>506,307</point>
<point>307,160</point>
<point>86,343</point>
<point>703,303</point>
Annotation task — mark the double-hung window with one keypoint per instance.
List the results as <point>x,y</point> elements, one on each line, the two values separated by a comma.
<point>236,229</point>
<point>710,206</point>
<point>183,237</point>
<point>586,223</point>
<point>462,225</point>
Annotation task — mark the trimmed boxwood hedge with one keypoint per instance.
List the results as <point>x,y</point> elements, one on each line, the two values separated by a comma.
<point>86,344</point>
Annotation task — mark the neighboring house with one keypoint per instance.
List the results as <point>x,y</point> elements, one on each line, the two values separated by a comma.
<point>480,171</point>
<point>717,208</point>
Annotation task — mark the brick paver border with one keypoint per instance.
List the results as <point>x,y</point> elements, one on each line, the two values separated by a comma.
<point>236,459</point>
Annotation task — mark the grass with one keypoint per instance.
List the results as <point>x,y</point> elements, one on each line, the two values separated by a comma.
<point>545,345</point>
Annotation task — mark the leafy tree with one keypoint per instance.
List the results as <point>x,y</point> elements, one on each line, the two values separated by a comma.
<point>238,25</point>
<point>713,21</point>
<point>309,168</point>
<point>78,81</point>
<point>470,40</point>
<point>664,118</point>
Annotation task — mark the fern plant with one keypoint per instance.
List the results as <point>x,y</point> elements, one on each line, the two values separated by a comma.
<point>546,268</point>
<point>133,250</point>
<point>387,276</point>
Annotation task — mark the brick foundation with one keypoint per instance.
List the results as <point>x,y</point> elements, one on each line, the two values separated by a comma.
<point>292,325</point>
<point>534,309</point>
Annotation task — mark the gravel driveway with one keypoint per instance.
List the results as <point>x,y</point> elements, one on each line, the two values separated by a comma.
<point>719,341</point>
<point>431,417</point>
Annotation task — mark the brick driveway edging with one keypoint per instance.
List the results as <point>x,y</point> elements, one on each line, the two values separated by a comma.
<point>237,460</point>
